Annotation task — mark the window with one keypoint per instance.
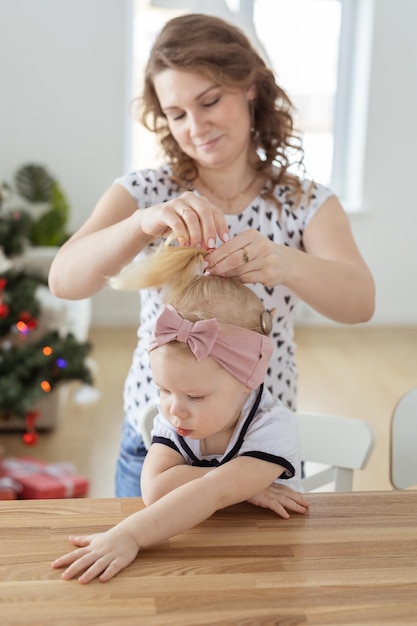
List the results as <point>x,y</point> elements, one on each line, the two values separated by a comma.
<point>304,59</point>
<point>319,51</point>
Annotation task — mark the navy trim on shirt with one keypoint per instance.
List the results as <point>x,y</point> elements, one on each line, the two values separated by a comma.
<point>233,452</point>
<point>289,470</point>
<point>166,442</point>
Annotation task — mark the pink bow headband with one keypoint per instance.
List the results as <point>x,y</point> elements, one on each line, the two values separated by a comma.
<point>244,353</point>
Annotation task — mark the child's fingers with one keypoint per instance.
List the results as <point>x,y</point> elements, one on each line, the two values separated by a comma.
<point>280,509</point>
<point>293,504</point>
<point>74,555</point>
<point>282,491</point>
<point>298,508</point>
<point>86,567</point>
<point>110,571</point>
<point>80,541</point>
<point>282,504</point>
<point>70,557</point>
<point>299,503</point>
<point>99,569</point>
<point>66,559</point>
<point>103,568</point>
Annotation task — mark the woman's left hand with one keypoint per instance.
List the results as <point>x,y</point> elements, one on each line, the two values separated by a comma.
<point>329,273</point>
<point>250,258</point>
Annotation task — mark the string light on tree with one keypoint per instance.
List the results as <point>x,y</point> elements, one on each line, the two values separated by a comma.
<point>31,365</point>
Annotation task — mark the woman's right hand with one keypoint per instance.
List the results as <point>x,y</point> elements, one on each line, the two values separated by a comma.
<point>195,220</point>
<point>117,231</point>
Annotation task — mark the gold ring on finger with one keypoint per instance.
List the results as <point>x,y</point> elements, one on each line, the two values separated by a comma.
<point>184,210</point>
<point>245,255</point>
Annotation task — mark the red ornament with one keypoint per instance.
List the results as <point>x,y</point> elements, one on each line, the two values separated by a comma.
<point>30,437</point>
<point>3,283</point>
<point>4,309</point>
<point>25,316</point>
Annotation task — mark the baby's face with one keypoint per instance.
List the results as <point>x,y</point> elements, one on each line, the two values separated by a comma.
<point>199,398</point>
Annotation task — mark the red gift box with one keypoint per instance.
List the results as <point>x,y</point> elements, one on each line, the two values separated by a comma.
<point>9,488</point>
<point>41,480</point>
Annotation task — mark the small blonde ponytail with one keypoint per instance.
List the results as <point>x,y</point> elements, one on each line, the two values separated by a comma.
<point>171,266</point>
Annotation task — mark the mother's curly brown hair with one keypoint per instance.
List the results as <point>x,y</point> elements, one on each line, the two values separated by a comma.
<point>220,51</point>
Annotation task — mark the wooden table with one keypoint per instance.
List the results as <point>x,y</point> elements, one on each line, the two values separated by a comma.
<point>351,560</point>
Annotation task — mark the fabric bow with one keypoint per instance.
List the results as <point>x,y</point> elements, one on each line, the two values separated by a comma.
<point>244,353</point>
<point>200,336</point>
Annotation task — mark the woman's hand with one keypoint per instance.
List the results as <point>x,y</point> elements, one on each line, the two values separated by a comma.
<point>329,275</point>
<point>281,499</point>
<point>250,258</point>
<point>101,555</point>
<point>195,220</point>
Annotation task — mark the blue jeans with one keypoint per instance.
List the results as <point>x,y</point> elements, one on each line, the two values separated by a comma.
<point>130,462</point>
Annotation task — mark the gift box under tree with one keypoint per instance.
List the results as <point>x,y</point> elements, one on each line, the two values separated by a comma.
<point>37,479</point>
<point>9,488</point>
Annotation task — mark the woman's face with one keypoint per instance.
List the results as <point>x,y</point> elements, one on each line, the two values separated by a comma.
<point>210,124</point>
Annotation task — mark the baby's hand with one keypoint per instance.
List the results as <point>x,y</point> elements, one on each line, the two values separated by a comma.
<point>101,555</point>
<point>280,499</point>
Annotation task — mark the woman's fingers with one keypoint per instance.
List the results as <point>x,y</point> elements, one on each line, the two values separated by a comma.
<point>250,258</point>
<point>193,219</point>
<point>235,258</point>
<point>204,221</point>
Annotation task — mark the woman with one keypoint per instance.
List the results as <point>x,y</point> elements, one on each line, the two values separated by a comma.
<point>227,133</point>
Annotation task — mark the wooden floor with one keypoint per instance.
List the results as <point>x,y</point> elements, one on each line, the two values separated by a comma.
<point>360,371</point>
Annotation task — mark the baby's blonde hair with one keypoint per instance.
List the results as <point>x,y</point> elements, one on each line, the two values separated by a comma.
<point>196,296</point>
<point>172,267</point>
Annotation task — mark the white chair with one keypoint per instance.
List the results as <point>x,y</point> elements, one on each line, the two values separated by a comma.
<point>341,444</point>
<point>146,423</point>
<point>403,470</point>
<point>338,445</point>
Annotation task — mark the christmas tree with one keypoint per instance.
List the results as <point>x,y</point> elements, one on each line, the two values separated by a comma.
<point>32,362</point>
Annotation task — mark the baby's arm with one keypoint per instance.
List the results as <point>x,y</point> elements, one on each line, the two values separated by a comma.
<point>103,555</point>
<point>164,470</point>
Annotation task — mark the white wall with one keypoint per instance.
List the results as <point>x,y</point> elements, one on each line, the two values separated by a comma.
<point>63,92</point>
<point>64,102</point>
<point>387,234</point>
<point>64,73</point>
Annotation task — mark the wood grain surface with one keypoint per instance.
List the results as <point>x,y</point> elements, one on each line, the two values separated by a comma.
<point>352,560</point>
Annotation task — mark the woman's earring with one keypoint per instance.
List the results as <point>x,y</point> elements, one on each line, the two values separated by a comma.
<point>252,117</point>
